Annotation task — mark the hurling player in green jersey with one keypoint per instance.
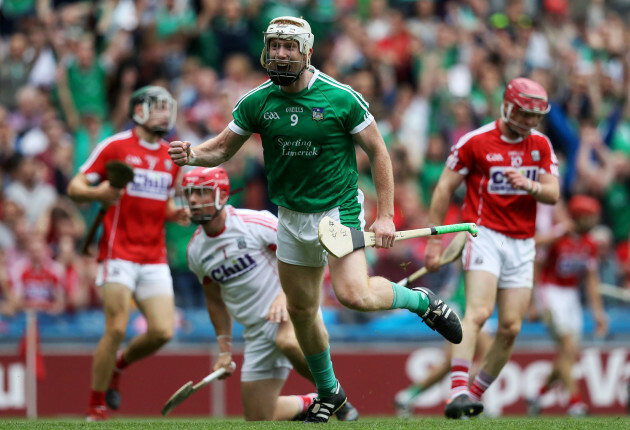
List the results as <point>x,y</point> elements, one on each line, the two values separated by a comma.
<point>309,124</point>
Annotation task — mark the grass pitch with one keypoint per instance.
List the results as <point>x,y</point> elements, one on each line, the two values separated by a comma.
<point>385,423</point>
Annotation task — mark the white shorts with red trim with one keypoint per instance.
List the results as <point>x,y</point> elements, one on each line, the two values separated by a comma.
<point>144,280</point>
<point>510,260</point>
<point>263,359</point>
<point>561,309</point>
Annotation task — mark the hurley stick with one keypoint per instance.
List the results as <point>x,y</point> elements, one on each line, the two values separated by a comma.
<point>119,175</point>
<point>340,240</point>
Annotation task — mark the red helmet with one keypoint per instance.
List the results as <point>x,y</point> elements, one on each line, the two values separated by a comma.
<point>584,205</point>
<point>205,179</point>
<point>527,96</point>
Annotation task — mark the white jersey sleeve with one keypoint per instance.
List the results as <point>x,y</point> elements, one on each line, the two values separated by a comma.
<point>192,256</point>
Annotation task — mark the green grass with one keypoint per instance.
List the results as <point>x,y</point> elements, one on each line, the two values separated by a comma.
<point>385,423</point>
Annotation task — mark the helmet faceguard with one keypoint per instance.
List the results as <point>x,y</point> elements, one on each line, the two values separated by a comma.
<point>207,181</point>
<point>291,29</point>
<point>527,96</point>
<point>153,98</point>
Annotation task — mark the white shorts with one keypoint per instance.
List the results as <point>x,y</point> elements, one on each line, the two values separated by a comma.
<point>510,260</point>
<point>561,309</point>
<point>298,242</point>
<point>144,280</point>
<point>262,358</point>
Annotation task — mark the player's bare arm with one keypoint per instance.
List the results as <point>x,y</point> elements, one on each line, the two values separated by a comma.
<point>278,310</point>
<point>222,323</point>
<point>372,143</point>
<point>210,153</point>
<point>80,190</point>
<point>449,181</point>
<point>545,190</point>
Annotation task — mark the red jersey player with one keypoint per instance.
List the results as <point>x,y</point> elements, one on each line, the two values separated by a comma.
<point>570,258</point>
<point>132,254</point>
<point>507,166</point>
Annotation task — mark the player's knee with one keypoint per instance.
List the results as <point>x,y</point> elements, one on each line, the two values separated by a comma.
<point>288,345</point>
<point>509,331</point>
<point>478,316</point>
<point>301,312</point>
<point>352,299</point>
<point>160,335</point>
<point>115,334</point>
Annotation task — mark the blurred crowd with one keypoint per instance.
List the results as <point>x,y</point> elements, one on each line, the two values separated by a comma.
<point>432,70</point>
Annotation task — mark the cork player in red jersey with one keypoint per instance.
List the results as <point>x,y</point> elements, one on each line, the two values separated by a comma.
<point>507,166</point>
<point>132,251</point>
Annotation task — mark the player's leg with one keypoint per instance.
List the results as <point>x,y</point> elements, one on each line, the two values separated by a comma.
<point>480,288</point>
<point>159,311</point>
<point>287,343</point>
<point>569,331</point>
<point>264,371</point>
<point>512,304</point>
<point>404,398</point>
<point>116,304</point>
<point>356,290</point>
<point>260,399</point>
<point>154,298</point>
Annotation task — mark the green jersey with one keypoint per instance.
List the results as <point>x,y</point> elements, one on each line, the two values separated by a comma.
<point>307,140</point>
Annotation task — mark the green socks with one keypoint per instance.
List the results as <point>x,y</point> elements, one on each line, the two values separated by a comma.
<point>405,298</point>
<point>414,391</point>
<point>322,371</point>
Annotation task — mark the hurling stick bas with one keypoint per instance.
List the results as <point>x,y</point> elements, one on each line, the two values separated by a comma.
<point>119,175</point>
<point>188,389</point>
<point>450,254</point>
<point>340,240</point>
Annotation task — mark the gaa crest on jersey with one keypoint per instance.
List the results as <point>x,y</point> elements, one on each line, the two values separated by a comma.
<point>318,114</point>
<point>536,155</point>
<point>240,242</point>
<point>168,164</point>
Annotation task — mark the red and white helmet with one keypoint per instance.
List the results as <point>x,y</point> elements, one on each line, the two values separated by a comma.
<point>583,205</point>
<point>205,180</point>
<point>527,96</point>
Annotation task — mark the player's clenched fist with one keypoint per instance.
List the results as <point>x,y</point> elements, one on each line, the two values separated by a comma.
<point>180,152</point>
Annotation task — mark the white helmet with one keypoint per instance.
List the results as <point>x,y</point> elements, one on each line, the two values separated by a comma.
<point>287,28</point>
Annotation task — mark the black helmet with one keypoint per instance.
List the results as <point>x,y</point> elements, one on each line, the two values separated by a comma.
<point>148,97</point>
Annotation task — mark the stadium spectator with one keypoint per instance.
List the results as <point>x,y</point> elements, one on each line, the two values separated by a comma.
<point>38,279</point>
<point>14,70</point>
<point>297,114</point>
<point>29,190</point>
<point>8,304</point>
<point>132,254</point>
<point>507,167</point>
<point>572,257</point>
<point>244,285</point>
